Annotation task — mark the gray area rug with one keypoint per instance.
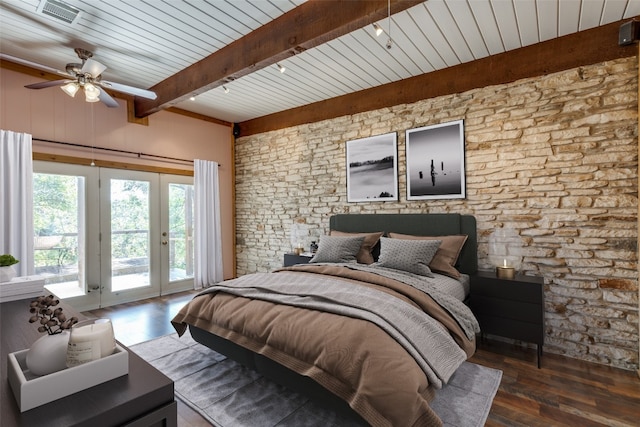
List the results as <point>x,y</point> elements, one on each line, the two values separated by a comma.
<point>230,395</point>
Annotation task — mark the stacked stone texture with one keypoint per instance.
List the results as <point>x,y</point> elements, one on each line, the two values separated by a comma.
<point>554,157</point>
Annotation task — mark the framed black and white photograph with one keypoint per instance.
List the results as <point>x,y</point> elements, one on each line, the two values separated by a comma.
<point>435,162</point>
<point>372,168</point>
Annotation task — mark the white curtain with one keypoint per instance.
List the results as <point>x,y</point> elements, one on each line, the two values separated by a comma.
<point>16,207</point>
<point>208,238</point>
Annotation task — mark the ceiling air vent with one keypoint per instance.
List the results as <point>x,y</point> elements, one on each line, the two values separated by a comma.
<point>59,10</point>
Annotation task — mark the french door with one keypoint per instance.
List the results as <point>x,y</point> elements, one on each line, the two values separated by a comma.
<point>106,236</point>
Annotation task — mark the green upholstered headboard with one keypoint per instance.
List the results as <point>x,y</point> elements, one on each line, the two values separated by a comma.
<point>437,224</point>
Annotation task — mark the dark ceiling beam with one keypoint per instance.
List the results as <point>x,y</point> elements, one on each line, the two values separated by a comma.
<point>309,25</point>
<point>583,48</point>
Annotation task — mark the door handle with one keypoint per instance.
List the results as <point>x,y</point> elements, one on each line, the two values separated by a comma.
<point>94,288</point>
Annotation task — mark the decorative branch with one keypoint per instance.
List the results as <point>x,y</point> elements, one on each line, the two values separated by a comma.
<point>52,321</point>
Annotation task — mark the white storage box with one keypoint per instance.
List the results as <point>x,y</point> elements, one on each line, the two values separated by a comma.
<point>32,391</point>
<point>21,288</point>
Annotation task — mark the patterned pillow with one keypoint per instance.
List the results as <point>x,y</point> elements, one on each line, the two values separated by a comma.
<point>413,256</point>
<point>365,255</point>
<point>338,249</point>
<point>447,256</point>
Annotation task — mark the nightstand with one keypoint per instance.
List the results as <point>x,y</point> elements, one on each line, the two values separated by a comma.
<point>511,308</point>
<point>292,259</point>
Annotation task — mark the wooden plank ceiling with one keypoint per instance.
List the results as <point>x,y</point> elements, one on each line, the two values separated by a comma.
<point>334,62</point>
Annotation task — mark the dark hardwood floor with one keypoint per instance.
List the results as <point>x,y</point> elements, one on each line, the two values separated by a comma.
<point>139,321</point>
<point>564,392</point>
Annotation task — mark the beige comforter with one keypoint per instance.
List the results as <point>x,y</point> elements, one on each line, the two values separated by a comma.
<point>386,366</point>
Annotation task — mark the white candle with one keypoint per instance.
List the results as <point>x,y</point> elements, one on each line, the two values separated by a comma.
<point>89,342</point>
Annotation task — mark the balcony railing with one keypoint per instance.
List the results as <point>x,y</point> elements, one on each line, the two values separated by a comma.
<point>57,256</point>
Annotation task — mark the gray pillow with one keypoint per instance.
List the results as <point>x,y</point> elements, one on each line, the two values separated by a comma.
<point>338,249</point>
<point>413,256</point>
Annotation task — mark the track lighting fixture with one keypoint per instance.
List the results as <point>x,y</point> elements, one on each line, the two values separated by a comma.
<point>379,29</point>
<point>281,68</point>
<point>192,98</point>
<point>226,89</point>
<point>389,42</point>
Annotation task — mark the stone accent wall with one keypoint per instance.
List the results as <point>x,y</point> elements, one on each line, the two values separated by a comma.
<point>554,157</point>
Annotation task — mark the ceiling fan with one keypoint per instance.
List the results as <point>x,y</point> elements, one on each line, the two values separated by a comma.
<point>88,77</point>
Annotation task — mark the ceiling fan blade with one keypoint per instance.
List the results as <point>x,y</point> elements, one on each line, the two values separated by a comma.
<point>5,57</point>
<point>144,93</point>
<point>93,67</point>
<point>48,83</point>
<point>107,99</point>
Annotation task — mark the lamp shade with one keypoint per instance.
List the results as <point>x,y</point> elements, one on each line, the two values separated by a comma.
<point>299,235</point>
<point>505,248</point>
<point>91,93</point>
<point>70,88</point>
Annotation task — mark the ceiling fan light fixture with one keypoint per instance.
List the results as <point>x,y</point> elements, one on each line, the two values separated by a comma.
<point>91,93</point>
<point>87,99</point>
<point>281,68</point>
<point>377,28</point>
<point>71,88</point>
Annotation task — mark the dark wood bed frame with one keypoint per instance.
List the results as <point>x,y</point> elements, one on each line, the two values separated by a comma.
<point>415,224</point>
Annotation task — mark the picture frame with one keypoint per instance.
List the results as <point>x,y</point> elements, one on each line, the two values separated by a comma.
<point>372,168</point>
<point>436,162</point>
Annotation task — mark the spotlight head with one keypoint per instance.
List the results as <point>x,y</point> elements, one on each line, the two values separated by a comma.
<point>377,28</point>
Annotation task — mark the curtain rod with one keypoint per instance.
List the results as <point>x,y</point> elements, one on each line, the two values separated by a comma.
<point>114,150</point>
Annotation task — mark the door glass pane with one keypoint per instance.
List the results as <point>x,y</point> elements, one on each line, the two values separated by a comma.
<point>180,231</point>
<point>130,245</point>
<point>59,237</point>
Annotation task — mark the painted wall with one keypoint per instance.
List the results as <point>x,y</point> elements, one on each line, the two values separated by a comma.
<point>555,158</point>
<point>50,114</point>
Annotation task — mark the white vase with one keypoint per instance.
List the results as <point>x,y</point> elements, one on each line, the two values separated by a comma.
<point>48,354</point>
<point>7,273</point>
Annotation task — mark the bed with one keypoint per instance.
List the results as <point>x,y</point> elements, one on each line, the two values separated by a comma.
<point>372,341</point>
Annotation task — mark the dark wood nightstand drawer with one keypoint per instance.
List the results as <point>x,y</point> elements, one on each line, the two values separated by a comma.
<point>293,259</point>
<point>510,328</point>
<point>506,309</point>
<point>521,288</point>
